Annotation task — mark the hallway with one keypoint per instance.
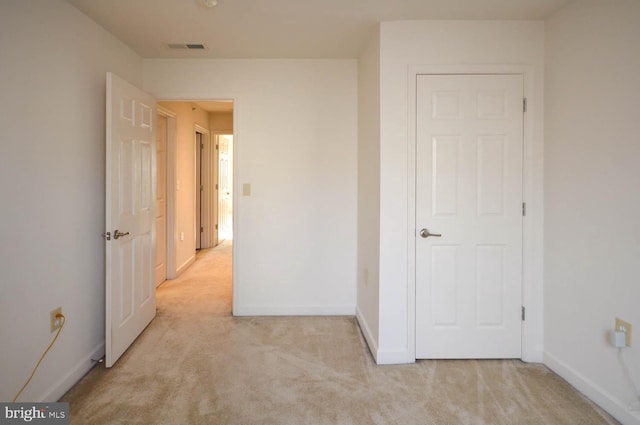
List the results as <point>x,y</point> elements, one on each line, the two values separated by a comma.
<point>209,278</point>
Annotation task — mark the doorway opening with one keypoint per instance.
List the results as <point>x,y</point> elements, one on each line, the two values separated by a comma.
<point>195,168</point>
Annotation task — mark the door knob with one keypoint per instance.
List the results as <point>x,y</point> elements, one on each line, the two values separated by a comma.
<point>425,233</point>
<point>117,233</point>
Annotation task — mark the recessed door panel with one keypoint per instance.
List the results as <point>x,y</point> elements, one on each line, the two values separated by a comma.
<point>490,282</point>
<point>445,175</point>
<point>491,174</point>
<point>444,275</point>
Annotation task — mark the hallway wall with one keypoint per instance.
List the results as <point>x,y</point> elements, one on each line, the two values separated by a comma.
<point>187,116</point>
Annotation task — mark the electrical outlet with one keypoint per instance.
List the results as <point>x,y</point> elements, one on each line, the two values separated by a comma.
<point>621,325</point>
<point>56,322</point>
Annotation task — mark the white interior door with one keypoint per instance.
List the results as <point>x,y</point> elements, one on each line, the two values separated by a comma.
<point>161,199</point>
<point>225,183</point>
<point>469,139</point>
<point>130,215</point>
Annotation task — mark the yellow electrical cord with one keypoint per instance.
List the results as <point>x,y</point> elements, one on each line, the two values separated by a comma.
<point>64,319</point>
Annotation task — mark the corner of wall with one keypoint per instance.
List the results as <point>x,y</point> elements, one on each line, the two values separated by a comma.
<point>368,335</point>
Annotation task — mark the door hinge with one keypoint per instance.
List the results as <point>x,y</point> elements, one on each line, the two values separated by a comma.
<point>523,313</point>
<point>524,105</point>
<point>524,209</point>
<point>201,187</point>
<point>216,186</point>
<point>201,229</point>
<point>106,236</point>
<point>216,227</point>
<point>201,145</point>
<point>217,147</point>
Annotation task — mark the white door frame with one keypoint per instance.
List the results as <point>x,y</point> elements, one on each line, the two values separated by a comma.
<point>532,289</point>
<point>171,189</point>
<point>171,185</point>
<point>205,168</point>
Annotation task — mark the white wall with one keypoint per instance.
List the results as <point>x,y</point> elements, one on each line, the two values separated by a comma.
<point>368,301</point>
<point>592,198</point>
<point>52,171</point>
<point>404,46</point>
<point>295,144</point>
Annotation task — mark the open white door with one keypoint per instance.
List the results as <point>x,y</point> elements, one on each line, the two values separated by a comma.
<point>130,236</point>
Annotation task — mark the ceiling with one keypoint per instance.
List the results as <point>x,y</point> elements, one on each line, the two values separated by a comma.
<point>282,28</point>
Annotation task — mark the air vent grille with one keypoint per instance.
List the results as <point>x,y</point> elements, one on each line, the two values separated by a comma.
<point>186,46</point>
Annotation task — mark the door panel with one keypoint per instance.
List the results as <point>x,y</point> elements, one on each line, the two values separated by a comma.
<point>469,190</point>
<point>130,302</point>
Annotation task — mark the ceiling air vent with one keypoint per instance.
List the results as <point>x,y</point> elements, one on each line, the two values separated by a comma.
<point>186,46</point>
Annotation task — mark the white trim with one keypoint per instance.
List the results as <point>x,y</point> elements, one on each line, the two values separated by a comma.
<point>612,405</point>
<point>368,335</point>
<point>184,266</point>
<point>69,379</point>
<point>235,191</point>
<point>531,292</point>
<point>171,188</point>
<point>389,357</point>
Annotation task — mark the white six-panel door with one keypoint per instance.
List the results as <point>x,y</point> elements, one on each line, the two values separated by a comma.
<point>130,215</point>
<point>469,140</point>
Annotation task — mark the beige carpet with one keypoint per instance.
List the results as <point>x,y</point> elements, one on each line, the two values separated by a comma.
<point>196,364</point>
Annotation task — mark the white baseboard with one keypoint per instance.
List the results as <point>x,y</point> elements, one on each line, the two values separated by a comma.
<point>382,357</point>
<point>59,388</point>
<point>295,310</point>
<point>368,335</point>
<point>394,356</point>
<point>185,266</point>
<point>595,393</point>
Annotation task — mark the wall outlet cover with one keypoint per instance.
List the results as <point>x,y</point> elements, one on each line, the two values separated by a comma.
<point>621,325</point>
<point>56,322</point>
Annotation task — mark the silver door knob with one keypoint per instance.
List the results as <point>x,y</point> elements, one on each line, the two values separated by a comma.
<point>425,233</point>
<point>117,233</point>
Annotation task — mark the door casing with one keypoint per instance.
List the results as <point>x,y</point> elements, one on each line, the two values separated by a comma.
<point>485,323</point>
<point>532,223</point>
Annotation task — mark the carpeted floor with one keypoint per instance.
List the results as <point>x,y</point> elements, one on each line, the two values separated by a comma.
<point>196,364</point>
